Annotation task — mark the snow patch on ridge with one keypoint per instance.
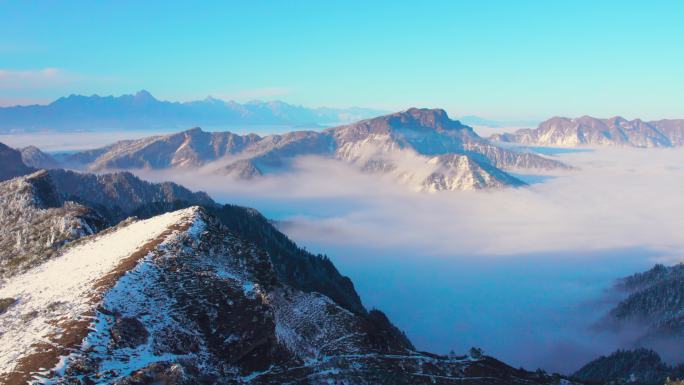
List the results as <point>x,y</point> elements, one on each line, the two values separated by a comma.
<point>64,289</point>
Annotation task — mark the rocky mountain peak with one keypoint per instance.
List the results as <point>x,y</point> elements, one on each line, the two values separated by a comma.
<point>434,118</point>
<point>194,130</point>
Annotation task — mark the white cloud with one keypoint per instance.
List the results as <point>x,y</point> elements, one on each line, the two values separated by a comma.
<point>35,78</point>
<point>619,198</point>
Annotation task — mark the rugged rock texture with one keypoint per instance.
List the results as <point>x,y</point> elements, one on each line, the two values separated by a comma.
<point>45,210</point>
<point>673,129</point>
<point>292,264</point>
<point>37,221</point>
<point>119,195</point>
<point>639,366</point>
<point>588,130</point>
<point>33,157</point>
<point>143,111</point>
<point>197,304</point>
<point>421,147</point>
<point>11,164</point>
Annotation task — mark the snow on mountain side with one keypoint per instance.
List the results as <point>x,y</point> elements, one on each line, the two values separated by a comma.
<point>32,156</point>
<point>587,130</point>
<point>119,195</point>
<point>370,144</point>
<point>36,222</point>
<point>180,299</point>
<point>54,303</point>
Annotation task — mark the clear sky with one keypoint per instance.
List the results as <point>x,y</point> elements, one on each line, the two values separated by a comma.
<point>499,59</point>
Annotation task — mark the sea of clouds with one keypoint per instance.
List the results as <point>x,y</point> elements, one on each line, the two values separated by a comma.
<point>524,273</point>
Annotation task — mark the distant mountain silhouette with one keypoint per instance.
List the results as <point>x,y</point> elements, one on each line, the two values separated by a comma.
<point>144,111</point>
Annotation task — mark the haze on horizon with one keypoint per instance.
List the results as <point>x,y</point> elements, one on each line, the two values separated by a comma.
<point>498,59</point>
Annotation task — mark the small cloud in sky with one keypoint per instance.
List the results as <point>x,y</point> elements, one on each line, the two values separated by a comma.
<point>35,78</point>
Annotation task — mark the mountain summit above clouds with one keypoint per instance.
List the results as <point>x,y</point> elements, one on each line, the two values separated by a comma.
<point>587,130</point>
<point>420,147</point>
<point>142,111</point>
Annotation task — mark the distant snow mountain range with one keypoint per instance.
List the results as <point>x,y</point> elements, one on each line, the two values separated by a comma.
<point>590,131</point>
<point>142,111</point>
<point>421,148</point>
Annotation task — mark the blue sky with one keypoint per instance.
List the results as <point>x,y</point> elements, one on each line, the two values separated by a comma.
<point>500,59</point>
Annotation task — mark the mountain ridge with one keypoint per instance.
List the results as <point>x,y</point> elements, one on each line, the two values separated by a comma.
<point>587,130</point>
<point>426,136</point>
<point>142,111</point>
<point>196,274</point>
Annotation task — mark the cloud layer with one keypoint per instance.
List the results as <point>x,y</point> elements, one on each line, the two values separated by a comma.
<point>521,272</point>
<point>38,78</point>
<point>619,198</point>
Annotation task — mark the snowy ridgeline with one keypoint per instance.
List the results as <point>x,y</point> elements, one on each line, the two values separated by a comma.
<point>49,298</point>
<point>179,298</point>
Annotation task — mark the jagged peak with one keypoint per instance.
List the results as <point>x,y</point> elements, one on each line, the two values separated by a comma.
<point>423,118</point>
<point>194,130</point>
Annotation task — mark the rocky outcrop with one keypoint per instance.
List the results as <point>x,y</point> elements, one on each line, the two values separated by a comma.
<point>587,130</point>
<point>11,164</point>
<point>32,156</point>
<point>119,195</point>
<point>37,222</point>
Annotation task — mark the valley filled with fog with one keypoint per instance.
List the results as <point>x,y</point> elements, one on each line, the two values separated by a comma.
<point>524,273</point>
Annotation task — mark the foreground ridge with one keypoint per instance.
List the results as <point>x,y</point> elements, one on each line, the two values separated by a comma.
<point>179,298</point>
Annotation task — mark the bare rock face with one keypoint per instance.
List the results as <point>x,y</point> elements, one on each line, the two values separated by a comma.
<point>37,222</point>
<point>11,164</point>
<point>46,210</point>
<point>587,130</point>
<point>128,332</point>
<point>673,129</point>
<point>373,145</point>
<point>32,156</point>
<point>5,303</point>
